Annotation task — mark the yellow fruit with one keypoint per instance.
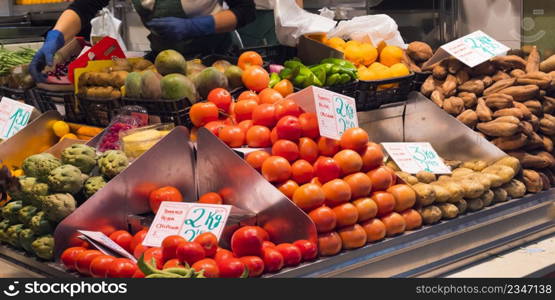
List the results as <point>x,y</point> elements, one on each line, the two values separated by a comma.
<point>335,42</point>
<point>367,74</point>
<point>60,128</point>
<point>354,54</point>
<point>391,55</point>
<point>69,136</point>
<point>353,43</point>
<point>369,54</point>
<point>377,66</point>
<point>400,69</point>
<point>17,173</point>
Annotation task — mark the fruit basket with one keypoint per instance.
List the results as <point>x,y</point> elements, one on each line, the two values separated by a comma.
<point>169,111</point>
<point>99,112</point>
<point>63,101</point>
<point>372,94</point>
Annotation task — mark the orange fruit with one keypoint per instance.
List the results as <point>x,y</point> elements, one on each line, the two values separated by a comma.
<point>288,188</point>
<point>276,169</point>
<point>302,171</point>
<point>329,243</point>
<point>337,192</point>
<point>354,138</point>
<point>369,54</point>
<point>327,146</point>
<point>258,136</point>
<point>391,55</point>
<point>360,184</point>
<point>372,157</point>
<point>257,158</point>
<point>413,219</point>
<point>405,197</point>
<point>284,87</point>
<point>394,224</point>
<point>367,208</point>
<point>336,42</point>
<point>249,58</point>
<point>354,53</point>
<point>270,96</point>
<point>309,196</point>
<point>243,109</point>
<point>232,135</point>
<point>346,213</point>
<point>324,218</point>
<point>349,161</point>
<point>211,198</point>
<point>384,201</point>
<point>308,149</point>
<point>255,78</point>
<point>375,229</point>
<point>399,69</point>
<point>382,178</point>
<point>352,237</point>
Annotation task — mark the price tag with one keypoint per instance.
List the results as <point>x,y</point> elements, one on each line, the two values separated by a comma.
<point>336,112</point>
<point>186,219</point>
<point>415,157</point>
<point>14,116</point>
<point>105,241</point>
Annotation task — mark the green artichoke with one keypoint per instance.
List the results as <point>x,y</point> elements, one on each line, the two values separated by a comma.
<point>26,238</point>
<point>9,211</point>
<point>44,247</point>
<point>13,235</point>
<point>40,224</point>
<point>25,214</point>
<point>37,192</point>
<point>4,225</point>
<point>112,162</point>
<point>24,192</point>
<point>80,156</point>
<point>65,179</point>
<point>58,206</point>
<point>40,165</point>
<point>93,184</point>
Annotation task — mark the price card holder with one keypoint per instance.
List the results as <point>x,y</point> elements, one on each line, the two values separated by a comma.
<point>472,49</point>
<point>336,112</point>
<point>186,219</point>
<point>415,157</point>
<point>14,116</point>
<point>101,241</point>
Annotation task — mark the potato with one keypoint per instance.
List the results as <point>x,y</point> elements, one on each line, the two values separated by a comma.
<point>472,189</point>
<point>475,204</point>
<point>515,188</point>
<point>460,172</point>
<point>392,165</point>
<point>480,178</point>
<point>475,165</point>
<point>509,161</point>
<point>425,194</point>
<point>442,194</point>
<point>453,164</point>
<point>104,79</point>
<point>462,205</point>
<point>426,177</point>
<point>84,79</point>
<point>431,214</point>
<point>499,195</point>
<point>487,197</point>
<point>455,191</point>
<point>448,210</point>
<point>506,173</point>
<point>406,177</point>
<point>118,78</point>
<point>495,180</point>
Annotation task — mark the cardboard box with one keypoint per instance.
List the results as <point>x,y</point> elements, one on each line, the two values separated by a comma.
<point>311,51</point>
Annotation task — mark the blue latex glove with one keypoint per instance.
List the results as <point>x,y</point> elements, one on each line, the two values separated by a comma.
<point>172,28</point>
<point>45,55</point>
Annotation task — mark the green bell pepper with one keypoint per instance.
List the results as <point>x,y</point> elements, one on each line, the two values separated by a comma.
<point>339,62</point>
<point>298,81</point>
<point>320,72</point>
<point>344,78</point>
<point>286,73</point>
<point>333,79</point>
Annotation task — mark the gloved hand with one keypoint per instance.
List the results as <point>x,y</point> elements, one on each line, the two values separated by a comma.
<point>172,28</point>
<point>45,55</point>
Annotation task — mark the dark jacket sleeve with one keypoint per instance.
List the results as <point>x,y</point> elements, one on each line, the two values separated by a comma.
<point>87,9</point>
<point>244,10</point>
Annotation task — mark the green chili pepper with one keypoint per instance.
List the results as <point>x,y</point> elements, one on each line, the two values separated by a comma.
<point>286,73</point>
<point>320,73</point>
<point>333,79</point>
<point>274,79</point>
<point>298,81</point>
<point>344,78</point>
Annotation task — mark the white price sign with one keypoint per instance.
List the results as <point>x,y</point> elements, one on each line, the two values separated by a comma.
<point>14,116</point>
<point>415,157</point>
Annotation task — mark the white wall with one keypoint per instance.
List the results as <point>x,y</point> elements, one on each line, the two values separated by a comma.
<point>498,18</point>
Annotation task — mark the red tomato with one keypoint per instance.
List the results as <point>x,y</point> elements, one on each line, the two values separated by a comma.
<point>156,254</point>
<point>122,238</point>
<point>215,126</point>
<point>209,242</point>
<point>167,193</point>
<point>137,239</point>
<point>138,274</point>
<point>223,254</point>
<point>100,265</point>
<point>263,233</point>
<point>309,125</point>
<point>121,268</point>
<point>326,169</point>
<point>221,97</point>
<point>254,264</point>
<point>75,241</point>
<point>231,268</point>
<point>139,250</point>
<point>268,244</point>
<point>246,241</point>
<point>286,149</point>
<point>309,250</point>
<point>209,266</point>
<point>243,109</point>
<point>273,260</point>
<point>258,137</point>
<point>173,263</point>
<point>289,128</point>
<point>84,259</point>
<point>248,95</point>
<point>291,254</point>
<point>287,107</point>
<point>169,246</point>
<point>69,256</point>
<point>190,252</point>
<point>245,125</point>
<point>264,114</point>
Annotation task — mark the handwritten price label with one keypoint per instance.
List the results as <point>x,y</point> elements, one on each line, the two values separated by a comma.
<point>475,48</point>
<point>415,157</point>
<point>336,113</point>
<point>14,116</point>
<point>186,219</point>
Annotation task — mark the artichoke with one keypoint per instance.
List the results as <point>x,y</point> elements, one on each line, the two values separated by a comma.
<point>44,247</point>
<point>112,162</point>
<point>25,214</point>
<point>58,206</point>
<point>40,224</point>
<point>26,238</point>
<point>93,184</point>
<point>37,192</point>
<point>80,156</point>
<point>24,191</point>
<point>40,165</point>
<point>65,179</point>
<point>3,227</point>
<point>9,211</point>
<point>13,235</point>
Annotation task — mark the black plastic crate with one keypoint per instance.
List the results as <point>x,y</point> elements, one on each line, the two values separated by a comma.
<point>371,94</point>
<point>99,112</point>
<point>169,111</point>
<point>26,95</point>
<point>419,78</point>
<point>63,101</point>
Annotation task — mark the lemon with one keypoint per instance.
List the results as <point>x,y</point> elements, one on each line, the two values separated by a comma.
<point>69,136</point>
<point>391,55</point>
<point>399,69</point>
<point>369,54</point>
<point>60,128</point>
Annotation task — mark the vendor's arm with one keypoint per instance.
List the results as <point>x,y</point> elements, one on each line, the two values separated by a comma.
<point>78,13</point>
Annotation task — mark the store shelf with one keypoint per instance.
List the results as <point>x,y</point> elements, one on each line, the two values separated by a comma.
<point>32,264</point>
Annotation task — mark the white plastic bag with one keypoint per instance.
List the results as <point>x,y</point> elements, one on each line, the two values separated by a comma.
<point>371,28</point>
<point>107,25</point>
<point>292,22</point>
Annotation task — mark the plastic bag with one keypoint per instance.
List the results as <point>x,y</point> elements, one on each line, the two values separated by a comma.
<point>371,28</point>
<point>292,21</point>
<point>107,25</point>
